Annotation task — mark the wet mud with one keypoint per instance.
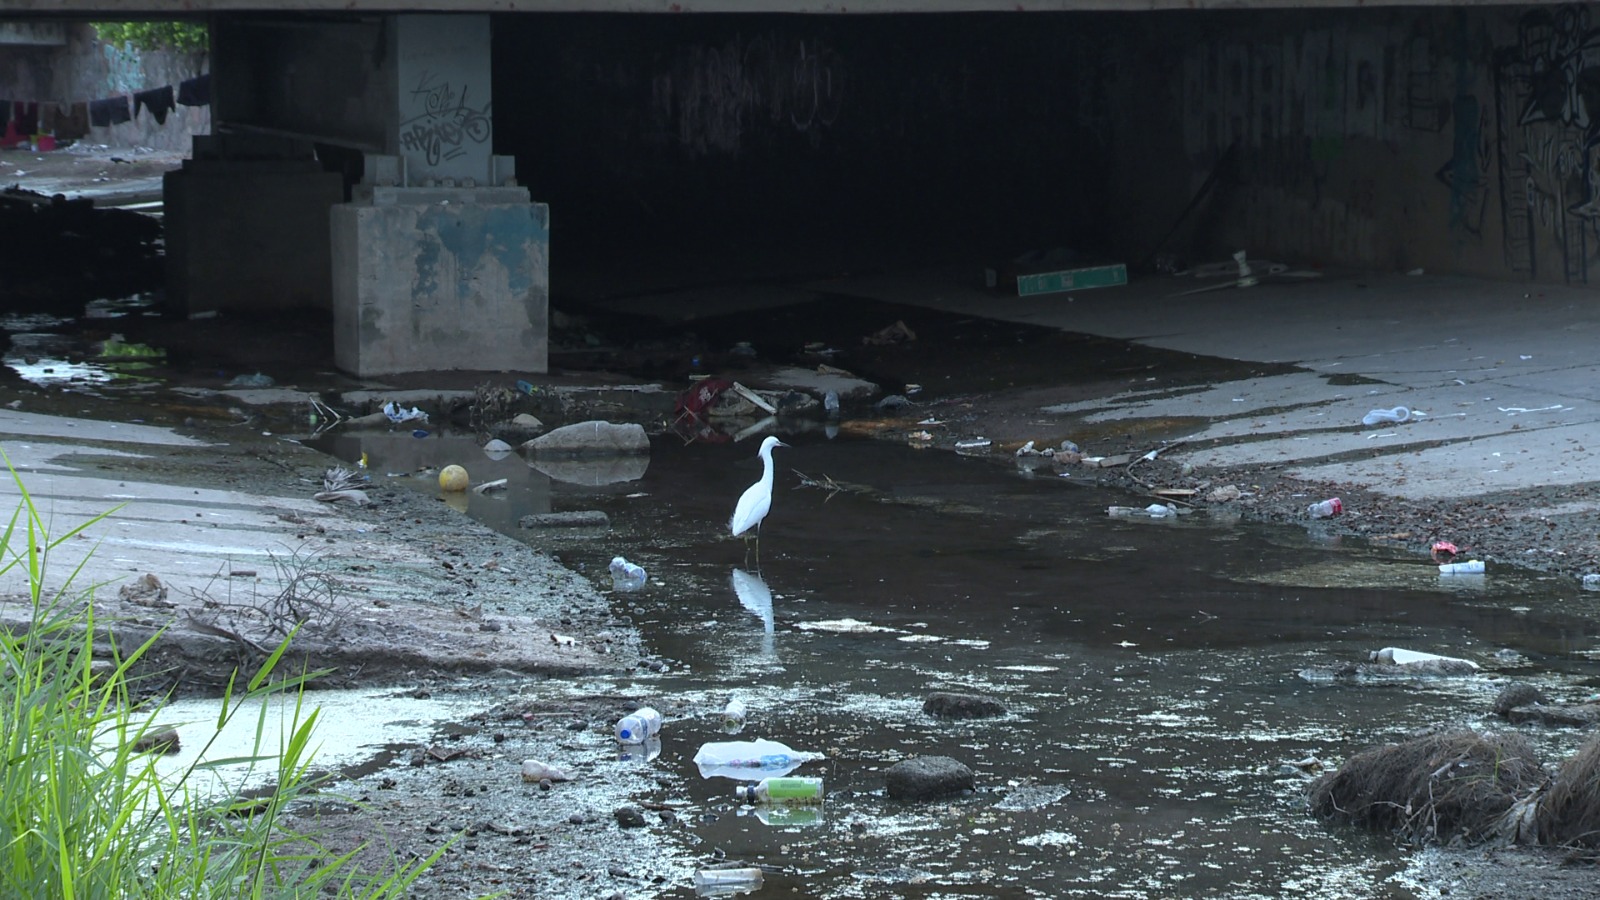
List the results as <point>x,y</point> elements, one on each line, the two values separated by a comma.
<point>1161,709</point>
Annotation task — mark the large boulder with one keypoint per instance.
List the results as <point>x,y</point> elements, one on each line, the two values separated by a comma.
<point>591,439</point>
<point>928,778</point>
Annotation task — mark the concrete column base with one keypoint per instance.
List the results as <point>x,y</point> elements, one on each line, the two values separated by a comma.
<point>432,279</point>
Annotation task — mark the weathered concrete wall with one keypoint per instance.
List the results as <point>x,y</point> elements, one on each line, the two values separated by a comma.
<point>460,281</point>
<point>1454,140</point>
<point>89,69</point>
<point>690,136</point>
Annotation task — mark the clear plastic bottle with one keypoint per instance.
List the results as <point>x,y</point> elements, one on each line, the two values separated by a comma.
<point>830,404</point>
<point>1326,509</point>
<point>639,726</point>
<point>733,716</point>
<point>790,789</point>
<point>639,753</point>
<point>720,882</point>
<point>1470,567</point>
<point>625,576</point>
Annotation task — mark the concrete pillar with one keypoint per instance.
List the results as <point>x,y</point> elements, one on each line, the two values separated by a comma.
<point>440,260</point>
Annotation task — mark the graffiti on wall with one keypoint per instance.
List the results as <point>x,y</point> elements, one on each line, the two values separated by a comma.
<point>712,96</point>
<point>445,121</point>
<point>1547,98</point>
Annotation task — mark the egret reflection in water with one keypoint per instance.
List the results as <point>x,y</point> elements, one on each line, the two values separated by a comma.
<point>755,596</point>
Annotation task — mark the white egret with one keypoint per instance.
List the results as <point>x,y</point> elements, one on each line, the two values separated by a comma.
<point>757,498</point>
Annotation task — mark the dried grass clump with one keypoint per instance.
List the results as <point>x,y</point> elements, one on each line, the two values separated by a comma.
<point>1569,813</point>
<point>1448,787</point>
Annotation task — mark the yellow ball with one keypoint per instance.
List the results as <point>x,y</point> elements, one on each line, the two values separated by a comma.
<point>453,478</point>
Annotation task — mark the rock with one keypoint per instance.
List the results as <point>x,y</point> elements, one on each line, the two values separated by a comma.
<point>591,439</point>
<point>928,778</point>
<point>1577,715</point>
<point>587,518</point>
<point>628,817</point>
<point>1515,694</point>
<point>961,706</point>
<point>497,446</point>
<point>517,430</point>
<point>157,740</point>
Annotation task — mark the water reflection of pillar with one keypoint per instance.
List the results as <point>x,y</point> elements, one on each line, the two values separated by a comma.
<point>755,596</point>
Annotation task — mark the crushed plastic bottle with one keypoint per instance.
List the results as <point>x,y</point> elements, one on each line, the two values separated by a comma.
<point>639,726</point>
<point>625,576</point>
<point>1325,509</point>
<point>790,789</point>
<point>733,716</point>
<point>724,882</point>
<point>736,758</point>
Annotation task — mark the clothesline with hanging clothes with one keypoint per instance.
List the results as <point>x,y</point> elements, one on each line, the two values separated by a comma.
<point>72,120</point>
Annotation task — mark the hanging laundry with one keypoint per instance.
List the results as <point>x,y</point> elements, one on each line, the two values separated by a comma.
<point>110,111</point>
<point>196,91</point>
<point>72,120</point>
<point>157,100</point>
<point>26,114</point>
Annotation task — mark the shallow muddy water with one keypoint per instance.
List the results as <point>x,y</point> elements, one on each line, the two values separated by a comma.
<point>1152,671</point>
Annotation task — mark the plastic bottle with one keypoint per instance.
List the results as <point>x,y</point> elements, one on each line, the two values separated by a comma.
<point>830,403</point>
<point>1326,509</point>
<point>716,882</point>
<point>625,576</point>
<point>733,716</point>
<point>639,753</point>
<point>788,816</point>
<point>790,789</point>
<point>639,726</point>
<point>1470,567</point>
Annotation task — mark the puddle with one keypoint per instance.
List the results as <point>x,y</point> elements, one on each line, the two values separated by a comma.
<point>1150,675</point>
<point>353,727</point>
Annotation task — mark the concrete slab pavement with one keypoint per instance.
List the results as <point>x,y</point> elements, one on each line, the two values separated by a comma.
<point>1505,375</point>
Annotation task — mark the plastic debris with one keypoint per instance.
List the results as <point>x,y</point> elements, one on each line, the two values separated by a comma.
<point>625,576</point>
<point>1443,551</point>
<point>257,380</point>
<point>398,414</point>
<point>498,484</point>
<point>1387,416</point>
<point>1470,567</point>
<point>1399,656</point>
<point>534,770</point>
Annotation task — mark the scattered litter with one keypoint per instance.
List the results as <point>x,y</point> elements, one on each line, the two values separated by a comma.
<point>1153,511</point>
<point>920,436</point>
<point>755,398</point>
<point>118,346</point>
<point>1386,416</point>
<point>973,444</point>
<point>750,760</point>
<point>1513,410</point>
<point>1028,450</point>
<point>147,590</point>
<point>897,333</point>
<point>535,771</point>
<point>1225,494</point>
<point>842,626</point>
<point>1399,656</point>
<point>498,484</point>
<point>257,380</point>
<point>1325,509</point>
<point>626,576</point>
<point>397,414</point>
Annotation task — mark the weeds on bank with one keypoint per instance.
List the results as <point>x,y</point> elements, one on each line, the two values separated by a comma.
<point>85,815</point>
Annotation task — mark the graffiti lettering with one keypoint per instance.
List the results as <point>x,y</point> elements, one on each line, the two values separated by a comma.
<point>446,123</point>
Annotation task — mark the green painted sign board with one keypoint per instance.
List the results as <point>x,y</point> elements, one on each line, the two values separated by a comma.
<point>1072,280</point>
